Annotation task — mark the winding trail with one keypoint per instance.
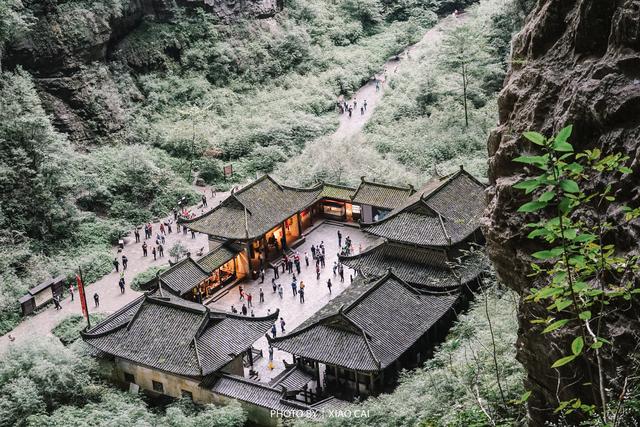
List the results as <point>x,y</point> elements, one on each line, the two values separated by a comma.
<point>351,126</point>
<point>111,299</point>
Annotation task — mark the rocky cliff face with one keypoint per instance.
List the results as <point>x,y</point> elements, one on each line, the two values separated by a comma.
<point>574,62</point>
<point>70,47</point>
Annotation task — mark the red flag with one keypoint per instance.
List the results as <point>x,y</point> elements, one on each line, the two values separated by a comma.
<point>83,299</point>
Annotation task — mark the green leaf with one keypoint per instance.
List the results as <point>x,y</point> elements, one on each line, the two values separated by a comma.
<point>532,206</point>
<point>546,196</point>
<point>532,160</point>
<point>535,137</point>
<point>577,345</point>
<point>625,170</point>
<point>585,315</point>
<point>585,238</point>
<point>564,134</point>
<point>555,325</point>
<point>561,304</point>
<point>538,232</point>
<point>596,345</point>
<point>562,147</point>
<point>547,254</point>
<point>570,233</point>
<point>528,186</point>
<point>563,361</point>
<point>564,205</point>
<point>570,186</point>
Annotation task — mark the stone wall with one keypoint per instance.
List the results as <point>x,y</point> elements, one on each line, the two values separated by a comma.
<point>574,62</point>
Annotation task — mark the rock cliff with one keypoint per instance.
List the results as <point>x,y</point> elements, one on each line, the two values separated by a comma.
<point>71,51</point>
<point>574,62</point>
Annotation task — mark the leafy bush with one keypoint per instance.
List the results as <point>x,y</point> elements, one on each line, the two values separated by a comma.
<point>146,276</point>
<point>68,330</point>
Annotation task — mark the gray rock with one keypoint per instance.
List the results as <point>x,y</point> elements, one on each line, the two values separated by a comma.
<point>574,62</point>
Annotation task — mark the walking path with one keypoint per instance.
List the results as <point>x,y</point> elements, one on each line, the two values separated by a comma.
<point>351,126</point>
<point>41,323</point>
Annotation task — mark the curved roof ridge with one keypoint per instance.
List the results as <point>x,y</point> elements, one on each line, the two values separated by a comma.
<point>365,335</point>
<point>271,316</point>
<point>409,187</point>
<point>231,198</point>
<point>114,314</point>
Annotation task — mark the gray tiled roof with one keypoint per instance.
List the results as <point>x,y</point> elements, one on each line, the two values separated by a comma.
<point>368,326</point>
<point>294,378</point>
<point>337,192</point>
<point>254,392</point>
<point>255,209</point>
<point>216,258</point>
<point>381,195</point>
<point>426,268</point>
<point>442,215</point>
<point>183,276</point>
<point>165,332</point>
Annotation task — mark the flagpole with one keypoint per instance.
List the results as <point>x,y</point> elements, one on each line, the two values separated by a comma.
<point>83,295</point>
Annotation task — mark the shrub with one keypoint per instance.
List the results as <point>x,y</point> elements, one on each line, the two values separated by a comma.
<point>146,276</point>
<point>68,329</point>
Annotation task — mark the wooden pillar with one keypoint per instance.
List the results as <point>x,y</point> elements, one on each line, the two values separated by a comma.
<point>284,237</point>
<point>250,355</point>
<point>318,377</point>
<point>357,384</point>
<point>299,224</point>
<point>371,385</point>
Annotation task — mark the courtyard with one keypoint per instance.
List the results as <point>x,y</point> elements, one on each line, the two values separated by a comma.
<point>316,293</point>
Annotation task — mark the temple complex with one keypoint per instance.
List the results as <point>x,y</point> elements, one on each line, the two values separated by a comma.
<point>417,268</point>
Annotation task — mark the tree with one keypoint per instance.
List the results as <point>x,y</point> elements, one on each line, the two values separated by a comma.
<point>177,251</point>
<point>12,22</point>
<point>464,51</point>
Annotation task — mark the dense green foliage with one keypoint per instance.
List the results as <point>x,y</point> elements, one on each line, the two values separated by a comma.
<point>45,384</point>
<point>146,276</point>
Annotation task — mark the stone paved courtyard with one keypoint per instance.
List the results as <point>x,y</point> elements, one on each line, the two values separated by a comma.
<point>316,291</point>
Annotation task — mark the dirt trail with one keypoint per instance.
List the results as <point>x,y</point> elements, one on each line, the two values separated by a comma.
<point>351,126</point>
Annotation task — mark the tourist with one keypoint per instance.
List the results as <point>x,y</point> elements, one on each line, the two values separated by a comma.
<point>144,249</point>
<point>306,258</point>
<point>273,285</point>
<point>71,291</point>
<point>280,291</point>
<point>294,288</point>
<point>355,102</point>
<point>249,299</point>
<point>301,293</point>
<point>121,284</point>
<point>241,292</point>
<point>339,238</point>
<point>285,261</point>
<point>350,111</point>
<point>262,275</point>
<point>270,354</point>
<point>162,239</point>
<point>96,299</point>
<point>184,230</point>
<point>322,264</point>
<point>377,85</point>
<point>262,295</point>
<point>365,105</point>
<point>162,230</point>
<point>273,330</point>
<point>362,111</point>
<point>116,264</point>
<point>160,251</point>
<point>276,273</point>
<point>153,252</point>
<point>282,325</point>
<point>233,309</point>
<point>313,251</point>
<point>341,271</point>
<point>244,309</point>
<point>296,260</point>
<point>317,271</point>
<point>204,200</point>
<point>125,262</point>
<point>329,285</point>
<point>56,303</point>
<point>193,234</point>
<point>136,233</point>
<point>335,267</point>
<point>252,313</point>
<point>169,226</point>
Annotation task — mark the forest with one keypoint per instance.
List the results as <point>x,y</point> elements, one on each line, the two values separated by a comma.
<point>105,125</point>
